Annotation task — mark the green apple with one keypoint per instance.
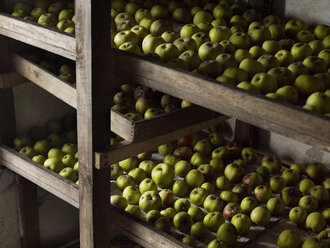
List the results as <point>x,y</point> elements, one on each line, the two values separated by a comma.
<point>147,166</point>
<point>314,242</point>
<point>277,183</point>
<point>65,24</point>
<point>20,6</point>
<point>168,213</point>
<point>298,215</point>
<point>188,30</point>
<point>326,214</point>
<point>140,31</point>
<point>289,239</point>
<point>275,206</point>
<point>317,46</point>
<point>182,204</point>
<point>39,159</point>
<point>150,200</point>
<point>165,149</point>
<point>315,64</point>
<point>167,197</point>
<point>320,194</point>
<point>182,168</point>
<point>194,178</point>
<point>132,195</point>
<point>222,12</point>
<point>147,185</point>
<point>213,203</point>
<point>167,51</point>
<point>184,44</point>
<point>234,173</point>
<point>151,42</point>
<point>273,163</point>
<point>260,216</point>
<point>216,244</point>
<point>301,51</point>
<point>240,40</point>
<point>180,188</point>
<point>297,69</point>
<point>123,17</point>
<point>263,172</point>
<point>309,203</point>
<point>221,152</point>
<point>159,12</point>
<point>272,46</point>
<point>41,147</point>
<point>125,36</point>
<point>248,204</point>
<point>20,142</point>
<point>37,12</point>
<point>56,8</point>
<point>220,33</point>
<point>276,31</point>
<point>182,221</point>
<point>305,36</point>
<point>124,181</point>
<point>118,201</point>
<point>229,196</point>
<point>228,46</point>
<point>227,60</point>
<point>48,19</point>
<point>171,160</point>
<point>326,42</point>
<point>138,174</point>
<point>307,85</point>
<point>227,233</point>
<point>321,31</point>
<point>209,187</point>
<point>191,58</point>
<point>182,15</point>
<point>305,186</point>
<point>54,164</point>
<point>290,196</point>
<point>259,34</point>
<point>264,82</point>
<point>69,160</point>
<point>242,223</point>
<point>222,183</point>
<point>251,66</point>
<point>257,52</point>
<point>198,230</point>
<point>196,213</point>
<point>317,172</point>
<point>162,174</point>
<point>241,54</point>
<point>152,216</point>
<point>210,50</point>
<point>189,241</point>
<point>271,19</point>
<point>293,26</point>
<point>284,57</point>
<point>213,221</point>
<point>140,14</point>
<point>66,14</point>
<point>42,4</point>
<point>202,16</point>
<point>198,195</point>
<point>169,36</point>
<point>200,38</point>
<point>291,177</point>
<point>158,27</point>
<point>115,171</point>
<point>238,20</point>
<point>129,164</point>
<point>134,210</point>
<point>56,153</point>
<point>262,193</point>
<point>210,68</point>
<point>326,184</point>
<point>316,222</point>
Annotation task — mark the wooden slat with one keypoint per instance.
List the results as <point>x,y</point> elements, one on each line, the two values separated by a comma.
<point>141,232</point>
<point>160,125</point>
<point>39,36</point>
<point>257,110</point>
<point>93,87</point>
<point>44,79</point>
<point>10,79</point>
<point>41,176</point>
<point>126,149</point>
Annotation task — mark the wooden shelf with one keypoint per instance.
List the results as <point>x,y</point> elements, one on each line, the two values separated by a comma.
<point>125,149</point>
<point>142,232</point>
<point>41,176</point>
<point>279,117</point>
<point>165,123</point>
<point>39,36</point>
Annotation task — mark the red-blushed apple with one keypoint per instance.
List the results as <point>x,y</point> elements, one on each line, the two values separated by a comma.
<point>167,197</point>
<point>183,152</point>
<point>230,210</point>
<point>252,179</point>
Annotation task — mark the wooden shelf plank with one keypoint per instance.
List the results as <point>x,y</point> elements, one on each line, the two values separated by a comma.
<point>160,125</point>
<point>49,82</point>
<point>142,232</point>
<point>39,36</point>
<point>10,79</point>
<point>41,176</point>
<point>125,149</point>
<point>257,110</point>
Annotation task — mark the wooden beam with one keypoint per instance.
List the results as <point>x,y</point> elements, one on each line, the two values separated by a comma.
<point>44,79</point>
<point>93,87</point>
<point>39,36</point>
<point>41,176</point>
<point>126,149</point>
<point>10,79</point>
<point>141,232</point>
<point>279,117</point>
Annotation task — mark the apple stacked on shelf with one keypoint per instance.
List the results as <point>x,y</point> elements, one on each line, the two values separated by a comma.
<point>53,146</point>
<point>58,15</point>
<point>210,191</point>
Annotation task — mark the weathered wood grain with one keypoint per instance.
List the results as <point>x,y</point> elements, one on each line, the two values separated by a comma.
<point>38,36</point>
<point>126,149</point>
<point>44,79</point>
<point>257,110</point>
<point>41,176</point>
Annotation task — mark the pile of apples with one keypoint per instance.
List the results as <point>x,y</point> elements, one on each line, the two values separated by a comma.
<point>53,146</point>
<point>231,43</point>
<point>59,14</point>
<point>138,102</point>
<point>213,191</point>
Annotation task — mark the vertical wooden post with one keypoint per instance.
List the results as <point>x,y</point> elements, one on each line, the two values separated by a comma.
<point>27,199</point>
<point>246,134</point>
<point>93,87</point>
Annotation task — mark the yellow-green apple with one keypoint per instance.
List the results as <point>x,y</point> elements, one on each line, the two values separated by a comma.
<point>241,54</point>
<point>132,194</point>
<point>216,23</point>
<point>320,194</point>
<point>213,221</point>
<point>165,149</point>
<point>167,197</point>
<point>41,147</point>
<point>320,101</point>
<point>194,178</point>
<point>298,215</point>
<point>307,85</point>
<point>169,36</point>
<point>216,139</point>
<point>228,196</point>
<point>200,38</point>
<point>285,57</point>
<point>184,44</point>
<point>64,25</point>
<point>69,160</point>
<point>317,172</point>
<point>298,68</point>
<point>180,188</point>
<point>182,15</point>
<point>207,170</point>
<point>37,12</point>
<point>196,213</point>
<point>159,12</point>
<point>138,174</point>
<point>326,214</point>
<point>276,31</point>
<point>263,172</point>
<point>130,47</point>
<point>176,63</point>
<point>220,33</point>
<point>316,222</point>
<point>326,78</point>
<point>182,221</point>
<point>151,42</point>
<point>198,195</point>
<point>122,17</point>
<point>242,223</point>
<point>134,210</point>
<point>168,213</point>
<point>202,16</point>
<point>291,177</point>
<point>271,19</point>
<point>260,216</point>
<point>39,159</point>
<point>272,46</point>
<point>238,20</point>
<point>248,204</point>
<point>132,7</point>
<point>257,52</point>
<point>309,203</point>
<point>321,31</point>
<point>198,230</point>
<point>198,159</point>
<point>210,50</point>
<point>66,14</point>
<point>152,216</point>
<point>222,153</point>
<point>152,112</point>
<point>125,36</point>
<point>273,163</point>
<point>301,51</point>
<point>326,42</point>
<point>48,19</point>
<point>305,36</point>
<point>182,168</point>
<point>264,82</point>
<point>150,200</point>
<point>140,14</point>
<point>167,51</point>
<point>277,183</point>
<point>209,187</point>
<point>147,185</point>
<point>289,239</point>
<point>259,34</point>
<point>203,146</point>
<point>306,185</point>
<point>228,46</point>
<point>42,4</point>
<point>317,46</point>
<point>213,203</point>
<point>140,31</point>
<point>222,183</point>
<point>290,196</point>
<point>222,12</point>
<point>189,241</point>
<point>188,30</point>
<point>210,68</point>
<point>326,184</point>
<point>115,171</point>
<point>54,164</point>
<point>182,204</point>
<point>234,172</point>
<point>129,164</point>
<point>147,166</point>
<point>158,27</point>
<point>118,201</point>
<point>269,61</point>
<point>262,193</point>
<point>162,174</point>
<point>251,66</point>
<point>174,4</point>
<point>315,64</point>
<point>20,142</point>
<point>227,60</point>
<point>275,206</point>
<point>227,233</point>
<point>240,40</point>
<point>293,26</point>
